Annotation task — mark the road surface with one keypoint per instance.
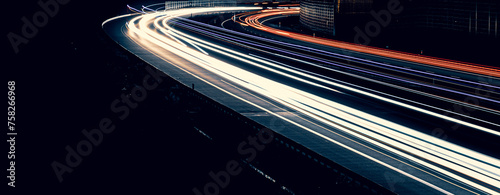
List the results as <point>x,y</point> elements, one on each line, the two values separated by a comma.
<point>371,117</point>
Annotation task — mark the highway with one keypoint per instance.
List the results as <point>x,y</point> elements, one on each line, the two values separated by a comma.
<point>257,18</point>
<point>371,117</point>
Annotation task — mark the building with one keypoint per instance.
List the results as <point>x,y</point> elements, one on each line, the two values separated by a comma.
<point>477,17</point>
<point>319,15</point>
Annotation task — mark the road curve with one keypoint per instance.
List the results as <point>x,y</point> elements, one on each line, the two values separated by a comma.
<point>326,115</point>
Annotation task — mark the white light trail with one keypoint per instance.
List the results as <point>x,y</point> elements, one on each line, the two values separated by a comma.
<point>387,135</point>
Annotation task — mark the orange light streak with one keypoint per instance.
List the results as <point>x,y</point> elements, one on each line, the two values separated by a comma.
<point>252,19</point>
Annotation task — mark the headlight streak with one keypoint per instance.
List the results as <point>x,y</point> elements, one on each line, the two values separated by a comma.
<point>329,115</point>
<point>478,84</point>
<point>371,90</point>
<point>332,113</point>
<point>361,70</point>
<point>242,56</point>
<point>462,160</point>
<point>165,31</point>
<point>355,59</point>
<point>403,88</point>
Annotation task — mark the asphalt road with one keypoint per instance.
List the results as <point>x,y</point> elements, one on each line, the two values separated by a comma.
<point>351,111</point>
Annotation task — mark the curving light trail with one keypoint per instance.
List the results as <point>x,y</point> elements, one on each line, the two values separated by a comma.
<point>445,161</point>
<point>245,42</point>
<point>252,19</point>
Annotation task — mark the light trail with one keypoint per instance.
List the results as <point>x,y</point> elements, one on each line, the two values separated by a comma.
<point>446,161</point>
<point>276,51</point>
<point>252,19</point>
<point>361,60</point>
<point>182,35</point>
<point>448,79</point>
<point>135,10</point>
